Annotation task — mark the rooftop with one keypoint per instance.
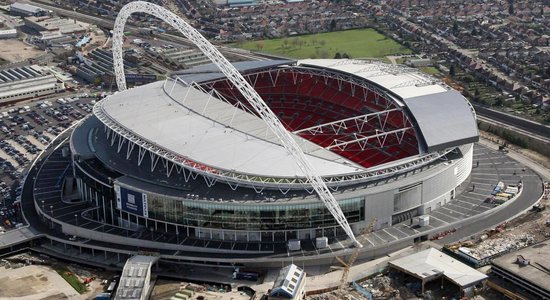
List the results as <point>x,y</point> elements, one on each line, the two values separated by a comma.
<point>288,282</point>
<point>209,131</point>
<point>26,7</point>
<point>135,277</point>
<point>402,81</point>
<point>432,263</point>
<point>536,272</point>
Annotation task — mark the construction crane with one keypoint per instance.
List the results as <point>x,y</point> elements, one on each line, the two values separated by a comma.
<point>347,265</point>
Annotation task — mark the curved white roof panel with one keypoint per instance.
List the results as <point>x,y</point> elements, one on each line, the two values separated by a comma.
<point>212,132</point>
<point>443,116</point>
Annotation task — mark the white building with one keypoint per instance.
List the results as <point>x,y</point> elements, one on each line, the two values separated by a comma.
<point>26,82</point>
<point>290,284</point>
<point>8,34</point>
<point>23,9</point>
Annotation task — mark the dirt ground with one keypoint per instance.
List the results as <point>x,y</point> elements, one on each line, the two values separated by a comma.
<point>14,50</point>
<point>165,289</point>
<point>31,277</point>
<point>34,282</point>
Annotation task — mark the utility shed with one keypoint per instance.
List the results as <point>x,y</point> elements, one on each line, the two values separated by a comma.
<point>432,264</point>
<point>289,284</point>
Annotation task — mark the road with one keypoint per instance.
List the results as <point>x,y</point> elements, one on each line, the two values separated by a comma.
<point>527,126</point>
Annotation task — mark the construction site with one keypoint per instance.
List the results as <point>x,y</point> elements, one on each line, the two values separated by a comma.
<point>479,251</point>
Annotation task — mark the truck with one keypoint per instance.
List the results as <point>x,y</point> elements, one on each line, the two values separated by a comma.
<point>242,274</point>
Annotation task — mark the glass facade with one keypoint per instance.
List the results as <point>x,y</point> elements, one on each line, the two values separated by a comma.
<point>166,213</point>
<point>260,216</point>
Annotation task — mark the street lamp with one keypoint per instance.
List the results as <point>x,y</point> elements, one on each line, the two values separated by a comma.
<point>76,219</point>
<point>43,213</point>
<point>51,214</point>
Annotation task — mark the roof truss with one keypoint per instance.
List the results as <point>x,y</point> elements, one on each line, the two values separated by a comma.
<point>357,121</point>
<point>363,140</point>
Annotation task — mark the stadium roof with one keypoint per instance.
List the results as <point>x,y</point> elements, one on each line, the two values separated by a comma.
<point>208,72</point>
<point>444,119</point>
<point>212,132</point>
<point>203,129</point>
<point>402,81</point>
<point>443,115</point>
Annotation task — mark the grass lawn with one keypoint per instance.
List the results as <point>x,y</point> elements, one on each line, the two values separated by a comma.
<point>357,43</point>
<point>430,70</point>
<point>72,280</point>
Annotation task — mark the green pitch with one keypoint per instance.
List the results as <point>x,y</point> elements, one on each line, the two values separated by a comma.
<point>358,43</point>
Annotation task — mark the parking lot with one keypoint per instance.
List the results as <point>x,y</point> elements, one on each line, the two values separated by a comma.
<point>25,129</point>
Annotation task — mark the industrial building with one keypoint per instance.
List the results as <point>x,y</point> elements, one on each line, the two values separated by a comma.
<point>187,58</point>
<point>524,272</point>
<point>27,82</point>
<point>98,67</point>
<point>8,34</point>
<point>433,265</point>
<point>55,24</point>
<point>26,10</point>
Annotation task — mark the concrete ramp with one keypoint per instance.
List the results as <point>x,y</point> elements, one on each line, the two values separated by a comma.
<point>135,281</point>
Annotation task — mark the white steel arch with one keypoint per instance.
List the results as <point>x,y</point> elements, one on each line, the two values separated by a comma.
<point>244,87</point>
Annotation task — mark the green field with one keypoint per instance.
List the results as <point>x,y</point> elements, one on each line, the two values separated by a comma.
<point>358,43</point>
<point>72,280</point>
<point>430,70</point>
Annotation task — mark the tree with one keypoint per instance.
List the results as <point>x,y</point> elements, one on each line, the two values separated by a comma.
<point>477,93</point>
<point>345,55</point>
<point>338,55</point>
<point>332,25</point>
<point>511,9</point>
<point>455,27</point>
<point>452,70</point>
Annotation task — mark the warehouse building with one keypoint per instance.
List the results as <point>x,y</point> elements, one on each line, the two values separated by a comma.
<point>433,265</point>
<point>8,34</point>
<point>26,82</point>
<point>26,10</point>
<point>64,26</point>
<point>525,271</point>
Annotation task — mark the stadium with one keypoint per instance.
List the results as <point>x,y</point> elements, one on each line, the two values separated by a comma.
<point>189,160</point>
<point>253,163</point>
